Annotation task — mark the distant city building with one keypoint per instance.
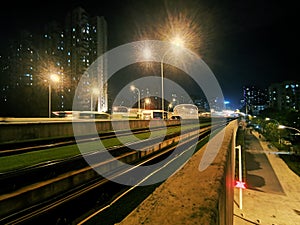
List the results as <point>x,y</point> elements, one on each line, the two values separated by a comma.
<point>255,99</point>
<point>86,40</point>
<point>216,104</point>
<point>66,50</point>
<point>202,105</point>
<point>285,95</point>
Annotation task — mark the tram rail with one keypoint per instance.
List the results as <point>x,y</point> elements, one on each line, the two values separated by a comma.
<point>48,207</point>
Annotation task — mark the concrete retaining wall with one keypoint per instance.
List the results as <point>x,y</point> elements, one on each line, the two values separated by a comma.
<point>192,196</point>
<point>13,132</point>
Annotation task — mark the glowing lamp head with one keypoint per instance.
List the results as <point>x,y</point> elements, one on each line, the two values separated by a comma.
<point>178,42</point>
<point>281,127</point>
<point>54,77</point>
<point>132,87</point>
<point>147,53</point>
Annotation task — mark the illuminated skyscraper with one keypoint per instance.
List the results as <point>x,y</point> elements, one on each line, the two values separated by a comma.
<point>285,95</point>
<point>86,40</point>
<point>66,49</point>
<point>255,99</point>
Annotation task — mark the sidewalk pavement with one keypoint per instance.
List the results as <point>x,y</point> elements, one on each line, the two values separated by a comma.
<point>267,208</point>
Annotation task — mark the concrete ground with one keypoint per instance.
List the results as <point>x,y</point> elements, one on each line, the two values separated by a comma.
<point>268,203</point>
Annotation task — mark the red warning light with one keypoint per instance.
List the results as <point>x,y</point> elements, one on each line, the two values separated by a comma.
<point>240,184</point>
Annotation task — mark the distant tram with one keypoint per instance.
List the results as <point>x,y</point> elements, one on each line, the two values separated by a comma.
<point>186,111</point>
<point>123,112</point>
<point>119,112</point>
<point>154,114</point>
<point>81,114</point>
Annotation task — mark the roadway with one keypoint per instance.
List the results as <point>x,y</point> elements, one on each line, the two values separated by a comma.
<point>272,195</point>
<point>259,172</point>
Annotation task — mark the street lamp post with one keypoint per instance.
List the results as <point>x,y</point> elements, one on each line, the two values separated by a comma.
<point>178,42</point>
<point>291,128</point>
<point>162,84</point>
<point>49,101</point>
<point>132,87</point>
<point>94,91</point>
<point>146,101</point>
<point>286,127</point>
<point>169,107</point>
<point>53,78</point>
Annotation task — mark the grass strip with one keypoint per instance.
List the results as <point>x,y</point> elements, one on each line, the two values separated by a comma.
<point>14,162</point>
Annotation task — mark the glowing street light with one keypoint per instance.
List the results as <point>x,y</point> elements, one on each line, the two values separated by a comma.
<point>133,88</point>
<point>53,78</point>
<point>94,91</point>
<point>170,106</point>
<point>177,42</point>
<point>146,101</point>
<point>291,128</point>
<point>268,119</point>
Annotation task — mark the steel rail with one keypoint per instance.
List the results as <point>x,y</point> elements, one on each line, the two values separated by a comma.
<point>39,208</point>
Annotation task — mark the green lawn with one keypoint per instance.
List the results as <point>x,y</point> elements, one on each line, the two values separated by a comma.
<point>8,163</point>
<point>293,162</point>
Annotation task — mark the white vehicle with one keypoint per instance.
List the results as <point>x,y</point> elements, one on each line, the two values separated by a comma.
<point>81,114</point>
<point>123,112</point>
<point>154,114</point>
<point>186,111</point>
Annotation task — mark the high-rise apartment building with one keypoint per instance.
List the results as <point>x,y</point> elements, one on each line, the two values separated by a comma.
<point>65,49</point>
<point>86,40</point>
<point>285,95</point>
<point>255,99</point>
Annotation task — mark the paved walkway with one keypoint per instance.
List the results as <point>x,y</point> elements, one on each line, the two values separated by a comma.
<point>264,205</point>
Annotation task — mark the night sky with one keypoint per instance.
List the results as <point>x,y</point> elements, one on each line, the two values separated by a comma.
<point>249,42</point>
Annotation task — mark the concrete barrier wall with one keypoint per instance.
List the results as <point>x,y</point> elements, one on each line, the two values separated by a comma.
<point>13,132</point>
<point>192,196</point>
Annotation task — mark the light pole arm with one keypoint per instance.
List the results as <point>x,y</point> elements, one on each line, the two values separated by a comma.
<point>139,103</point>
<point>162,84</point>
<point>292,128</point>
<point>49,101</point>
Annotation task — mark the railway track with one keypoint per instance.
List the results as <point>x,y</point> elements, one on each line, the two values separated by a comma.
<point>36,145</point>
<point>60,209</point>
<point>14,179</point>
